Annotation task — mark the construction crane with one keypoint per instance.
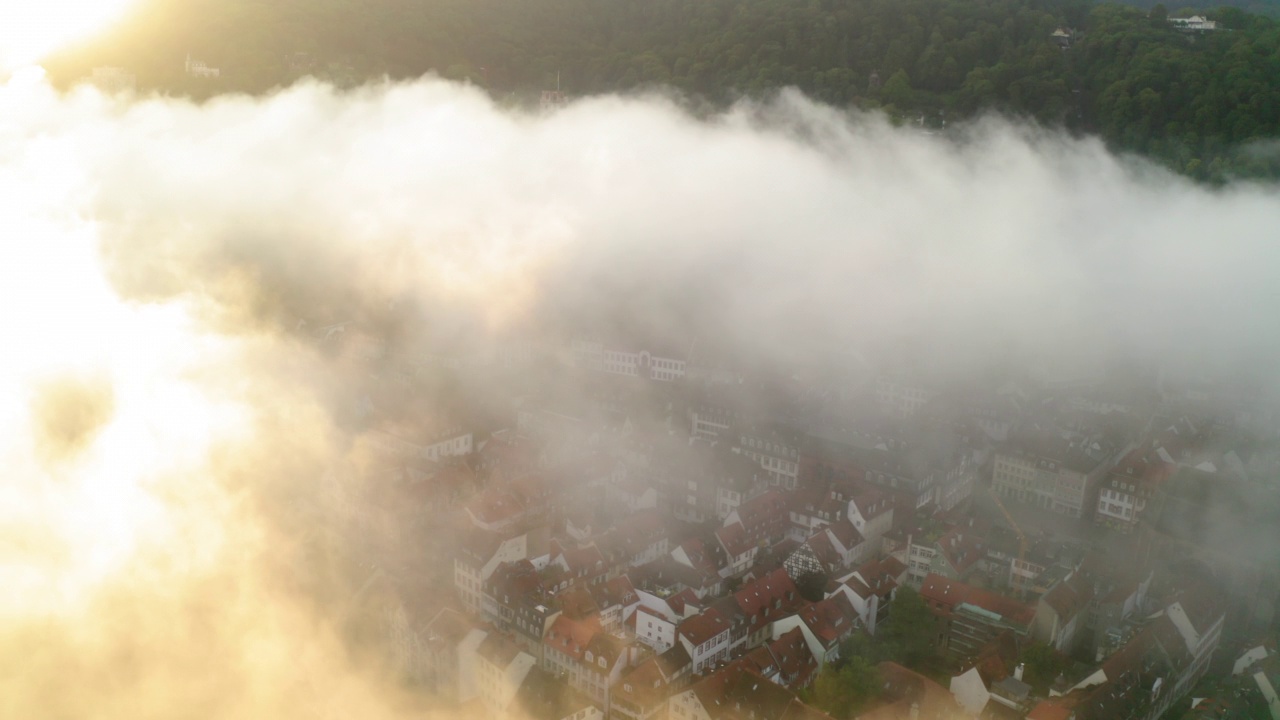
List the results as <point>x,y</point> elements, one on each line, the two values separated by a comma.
<point>1022,537</point>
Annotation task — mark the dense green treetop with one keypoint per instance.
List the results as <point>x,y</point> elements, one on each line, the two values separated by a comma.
<point>1203,103</point>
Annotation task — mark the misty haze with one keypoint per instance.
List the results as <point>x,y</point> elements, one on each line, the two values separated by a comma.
<point>732,360</point>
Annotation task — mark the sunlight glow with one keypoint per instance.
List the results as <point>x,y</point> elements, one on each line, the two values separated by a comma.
<point>31,29</point>
<point>96,403</point>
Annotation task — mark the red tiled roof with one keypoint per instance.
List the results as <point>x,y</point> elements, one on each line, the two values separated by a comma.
<point>769,507</point>
<point>581,560</point>
<point>645,686</point>
<point>494,505</point>
<point>733,538</point>
<point>962,549</point>
<point>605,646</point>
<point>904,688</point>
<point>823,549</point>
<point>618,591</point>
<point>880,576</point>
<point>760,661</point>
<point>572,637</point>
<point>1144,468</point>
<point>831,620</point>
<point>950,593</point>
<point>871,503</point>
<point>682,599</point>
<point>768,598</point>
<point>577,602</point>
<point>704,626</point>
<point>846,534</point>
<point>859,588</point>
<point>713,690</point>
<point>793,658</point>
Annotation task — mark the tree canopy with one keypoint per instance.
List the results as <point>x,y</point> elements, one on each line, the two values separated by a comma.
<point>1202,103</point>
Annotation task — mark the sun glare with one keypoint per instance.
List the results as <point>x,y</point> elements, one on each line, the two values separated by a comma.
<point>31,29</point>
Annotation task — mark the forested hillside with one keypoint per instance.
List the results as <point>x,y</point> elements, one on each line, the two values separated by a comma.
<point>1204,103</point>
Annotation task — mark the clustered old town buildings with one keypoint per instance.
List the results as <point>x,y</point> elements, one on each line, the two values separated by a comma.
<point>648,533</point>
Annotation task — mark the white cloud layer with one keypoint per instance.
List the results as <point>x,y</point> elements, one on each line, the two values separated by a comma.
<point>163,250</point>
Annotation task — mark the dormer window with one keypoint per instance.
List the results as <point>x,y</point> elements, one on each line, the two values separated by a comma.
<point>589,656</point>
<point>602,662</point>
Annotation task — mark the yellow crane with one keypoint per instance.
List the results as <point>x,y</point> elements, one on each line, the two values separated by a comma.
<point>1022,537</point>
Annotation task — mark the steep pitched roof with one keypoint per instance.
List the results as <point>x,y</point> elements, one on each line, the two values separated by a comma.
<point>572,637</point>
<point>576,602</point>
<point>751,696</point>
<point>904,688</point>
<point>703,627</point>
<point>962,549</point>
<point>1069,596</point>
<point>793,658</point>
<point>846,534</point>
<point>830,620</point>
<point>617,591</point>
<point>645,686</point>
<point>768,598</point>
<point>824,549</point>
<point>733,538</point>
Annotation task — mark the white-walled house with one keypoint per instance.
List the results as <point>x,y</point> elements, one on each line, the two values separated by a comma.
<point>501,667</point>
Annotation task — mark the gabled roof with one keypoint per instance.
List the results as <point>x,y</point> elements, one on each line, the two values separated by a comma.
<point>768,507</point>
<point>685,598</point>
<point>904,688</point>
<point>760,662</point>
<point>1069,596</point>
<point>675,661</point>
<point>1144,468</point>
<point>713,690</point>
<point>618,591</point>
<point>768,598</point>
<point>646,686</point>
<point>881,576</point>
<point>666,572</point>
<point>824,549</point>
<point>792,657</point>
<point>516,578</point>
<point>576,602</point>
<point>751,696</point>
<point>830,620</point>
<point>846,534</point>
<point>570,636</point>
<point>733,538</point>
<point>962,549</point>
<point>871,503</point>
<point>582,561</point>
<point>701,560</point>
<point>606,646</point>
<point>703,627</point>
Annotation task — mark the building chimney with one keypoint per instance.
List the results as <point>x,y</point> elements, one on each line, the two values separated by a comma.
<point>1017,672</point>
<point>915,711</point>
